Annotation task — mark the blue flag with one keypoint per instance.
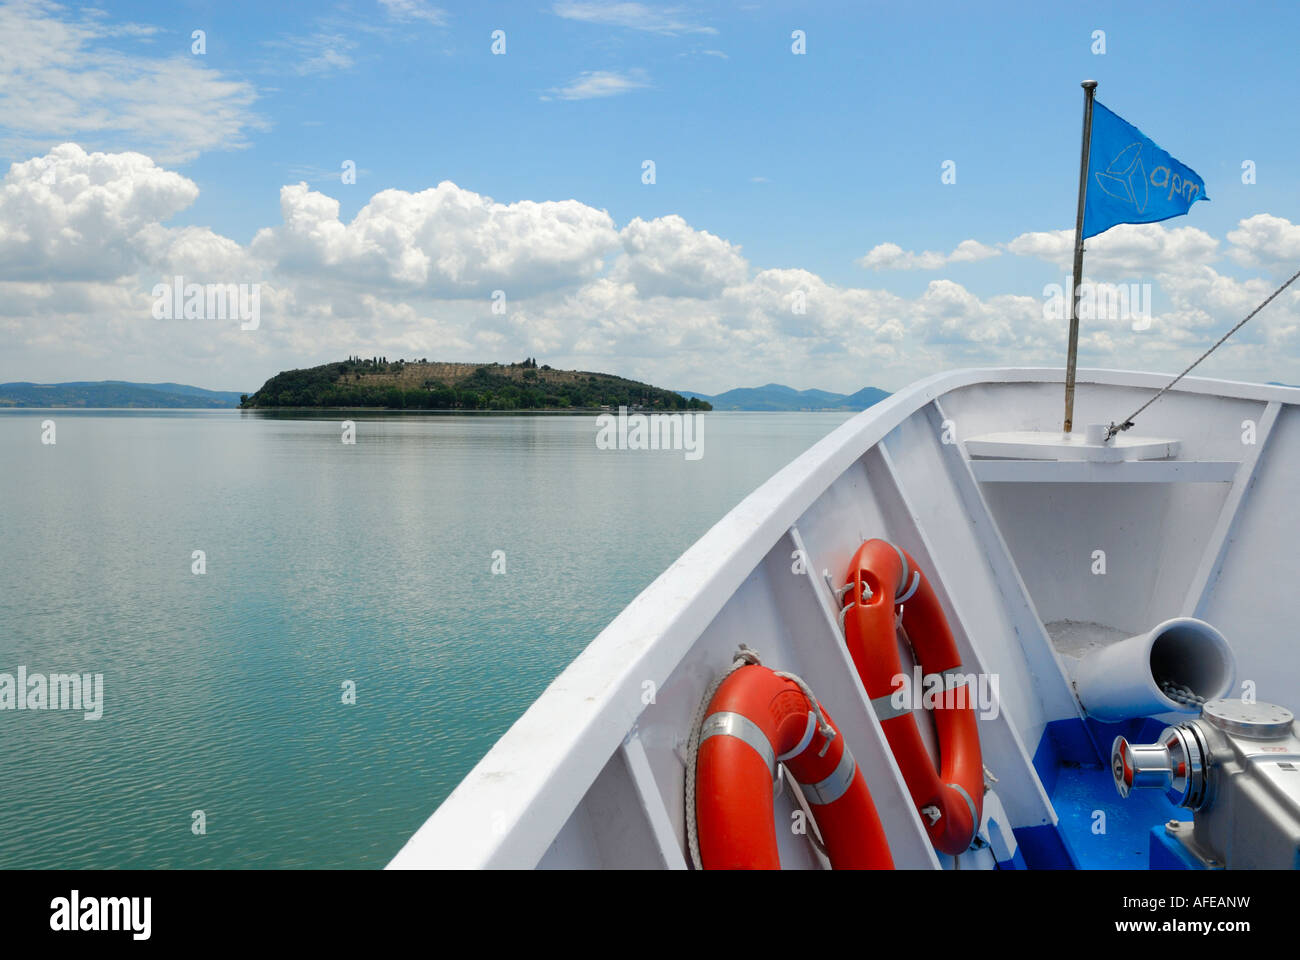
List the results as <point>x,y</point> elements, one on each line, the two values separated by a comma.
<point>1131,180</point>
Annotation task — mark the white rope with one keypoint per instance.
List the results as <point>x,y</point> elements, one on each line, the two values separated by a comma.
<point>824,728</point>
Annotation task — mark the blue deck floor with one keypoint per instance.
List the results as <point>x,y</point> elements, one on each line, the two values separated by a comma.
<point>1086,795</point>
<point>1100,830</point>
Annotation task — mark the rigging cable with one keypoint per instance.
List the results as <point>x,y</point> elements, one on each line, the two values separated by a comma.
<point>1115,428</point>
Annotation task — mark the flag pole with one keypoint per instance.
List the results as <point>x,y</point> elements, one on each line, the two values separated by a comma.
<point>1089,91</point>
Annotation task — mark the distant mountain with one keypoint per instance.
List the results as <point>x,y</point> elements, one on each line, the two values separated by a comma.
<point>114,393</point>
<point>776,396</point>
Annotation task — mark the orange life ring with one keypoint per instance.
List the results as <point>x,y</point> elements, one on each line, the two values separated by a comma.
<point>755,720</point>
<point>949,800</point>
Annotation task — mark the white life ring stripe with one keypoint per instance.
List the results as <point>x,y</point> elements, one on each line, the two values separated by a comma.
<point>724,723</point>
<point>835,786</point>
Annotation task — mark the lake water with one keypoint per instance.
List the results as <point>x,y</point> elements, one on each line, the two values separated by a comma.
<point>327,565</point>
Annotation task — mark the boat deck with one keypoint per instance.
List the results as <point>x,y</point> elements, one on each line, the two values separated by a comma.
<point>593,773</point>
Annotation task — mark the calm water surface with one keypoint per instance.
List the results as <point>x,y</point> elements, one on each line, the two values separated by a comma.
<point>326,563</point>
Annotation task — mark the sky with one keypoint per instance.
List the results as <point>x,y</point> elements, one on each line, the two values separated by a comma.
<point>894,200</point>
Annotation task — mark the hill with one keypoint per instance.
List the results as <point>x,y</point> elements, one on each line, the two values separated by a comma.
<point>776,396</point>
<point>422,385</point>
<point>114,393</point>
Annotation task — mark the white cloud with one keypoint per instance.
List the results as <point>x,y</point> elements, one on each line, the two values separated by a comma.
<point>1054,246</point>
<point>635,16</point>
<point>316,54</point>
<point>310,173</point>
<point>407,10</point>
<point>443,241</point>
<point>59,80</point>
<point>1128,250</point>
<point>83,240</point>
<point>1266,242</point>
<point>667,258</point>
<point>890,256</point>
<point>70,215</point>
<point>599,83</point>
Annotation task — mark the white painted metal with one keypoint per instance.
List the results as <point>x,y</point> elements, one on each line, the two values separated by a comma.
<point>1212,559</point>
<point>1127,471</point>
<point>592,774</point>
<point>1018,647</point>
<point>1119,681</point>
<point>1251,597</point>
<point>1037,445</point>
<point>652,803</point>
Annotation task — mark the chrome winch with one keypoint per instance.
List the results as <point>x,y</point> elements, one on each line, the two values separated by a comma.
<point>1237,766</point>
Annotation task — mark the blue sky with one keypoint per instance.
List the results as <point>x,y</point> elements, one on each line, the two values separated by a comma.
<point>794,162</point>
<point>849,139</point>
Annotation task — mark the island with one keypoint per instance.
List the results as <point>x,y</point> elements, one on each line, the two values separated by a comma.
<point>428,385</point>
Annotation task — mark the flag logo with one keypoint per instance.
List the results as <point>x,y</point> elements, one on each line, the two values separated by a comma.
<point>1126,179</point>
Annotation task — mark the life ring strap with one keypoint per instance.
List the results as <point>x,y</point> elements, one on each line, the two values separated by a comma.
<point>974,814</point>
<point>806,739</point>
<point>886,710</point>
<point>833,787</point>
<point>724,723</point>
<point>916,583</point>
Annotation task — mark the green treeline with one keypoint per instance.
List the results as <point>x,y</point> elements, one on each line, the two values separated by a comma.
<point>354,383</point>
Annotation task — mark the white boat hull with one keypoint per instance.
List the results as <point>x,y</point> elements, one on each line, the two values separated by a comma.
<point>1035,559</point>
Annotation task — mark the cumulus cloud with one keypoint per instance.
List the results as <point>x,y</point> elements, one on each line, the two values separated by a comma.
<point>1128,250</point>
<point>60,78</point>
<point>70,215</point>
<point>666,257</point>
<point>1054,246</point>
<point>84,237</point>
<point>1203,303</point>
<point>890,256</point>
<point>444,241</point>
<point>1266,242</point>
